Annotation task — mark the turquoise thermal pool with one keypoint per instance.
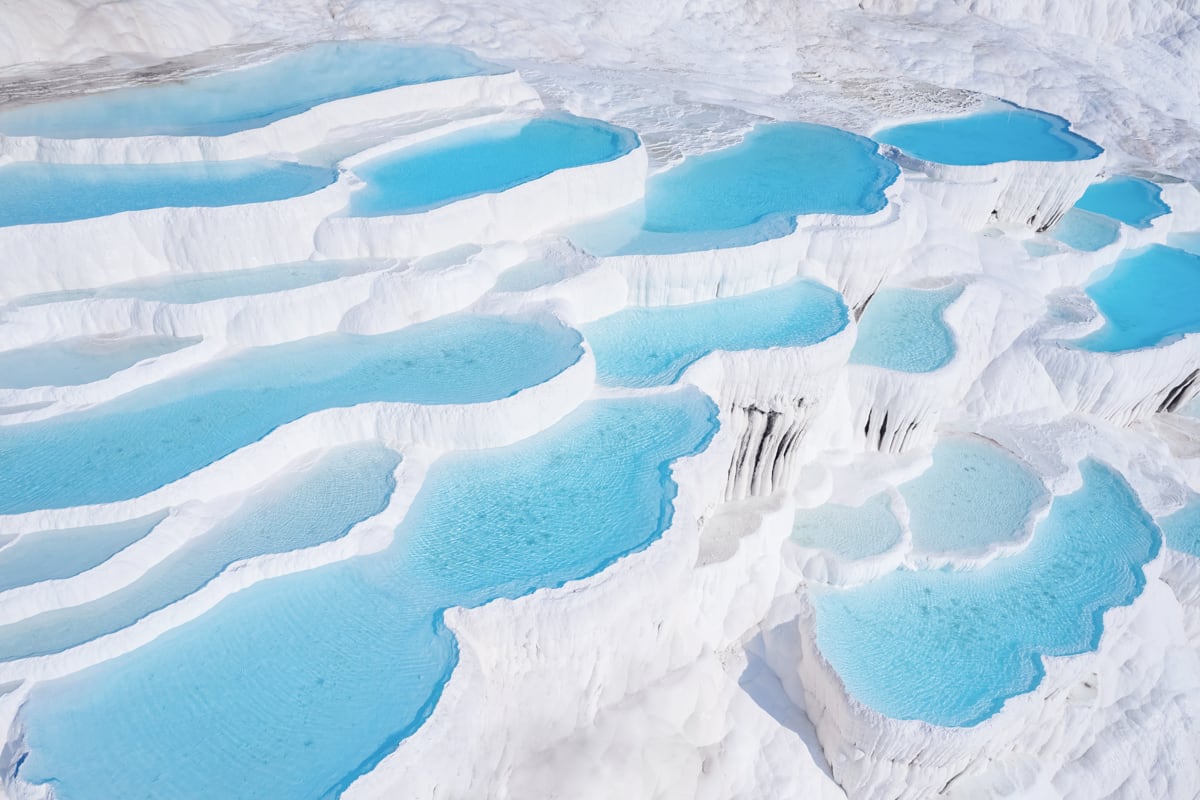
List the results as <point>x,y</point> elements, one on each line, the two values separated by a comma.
<point>950,647</point>
<point>296,686</point>
<point>37,193</point>
<point>71,362</point>
<point>747,193</point>
<point>53,555</point>
<point>319,504</point>
<point>905,330</point>
<point>974,495</point>
<point>1181,530</point>
<point>251,97</point>
<point>653,346</point>
<point>1147,298</point>
<point>483,160</point>
<point>850,532</point>
<point>990,137</point>
<point>1188,242</point>
<point>1084,230</point>
<point>205,287</point>
<point>157,434</point>
<point>1133,201</point>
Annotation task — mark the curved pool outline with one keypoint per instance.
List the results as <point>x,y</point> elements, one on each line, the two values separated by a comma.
<point>1028,668</point>
<point>1134,201</point>
<point>400,65</point>
<point>1146,313</point>
<point>430,158</point>
<point>27,489</point>
<point>636,347</point>
<point>687,436</point>
<point>1059,128</point>
<point>902,324</point>
<point>116,189</point>
<point>654,226</point>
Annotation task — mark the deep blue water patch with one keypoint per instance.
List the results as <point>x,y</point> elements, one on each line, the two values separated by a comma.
<point>483,160</point>
<point>991,137</point>
<point>749,192</point>
<point>1133,201</point>
<point>1147,298</point>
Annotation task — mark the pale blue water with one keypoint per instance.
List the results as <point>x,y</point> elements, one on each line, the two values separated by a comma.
<point>1147,298</point>
<point>950,647</point>
<point>50,555</point>
<point>1131,200</point>
<point>904,330</point>
<point>653,346</point>
<point>1014,134</point>
<point>37,193</point>
<point>320,504</point>
<point>1085,231</point>
<point>851,532</point>
<point>747,193</point>
<point>1181,530</point>
<point>157,434</point>
<point>84,359</point>
<point>1040,248</point>
<point>529,275</point>
<point>482,160</point>
<point>294,687</point>
<point>1188,242</point>
<point>972,496</point>
<point>251,97</point>
<point>206,286</point>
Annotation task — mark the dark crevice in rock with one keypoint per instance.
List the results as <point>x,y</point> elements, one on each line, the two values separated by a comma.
<point>1176,396</point>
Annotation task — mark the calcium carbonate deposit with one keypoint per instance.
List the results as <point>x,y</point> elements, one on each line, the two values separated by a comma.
<point>688,400</point>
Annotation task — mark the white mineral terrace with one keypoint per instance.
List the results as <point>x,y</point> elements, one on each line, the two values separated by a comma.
<point>793,621</point>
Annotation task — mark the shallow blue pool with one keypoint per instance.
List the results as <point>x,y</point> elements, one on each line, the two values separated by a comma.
<point>206,286</point>
<point>1085,231</point>
<point>51,555</point>
<point>1146,298</point>
<point>972,496</point>
<point>851,532</point>
<point>36,192</point>
<point>529,275</point>
<point>251,97</point>
<point>1188,242</point>
<point>653,346</point>
<point>482,160</point>
<point>1131,200</point>
<point>84,359</point>
<point>1181,530</point>
<point>318,505</point>
<point>904,330</point>
<point>749,192</point>
<point>294,687</point>
<point>1012,134</point>
<point>157,434</point>
<point>950,647</point>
